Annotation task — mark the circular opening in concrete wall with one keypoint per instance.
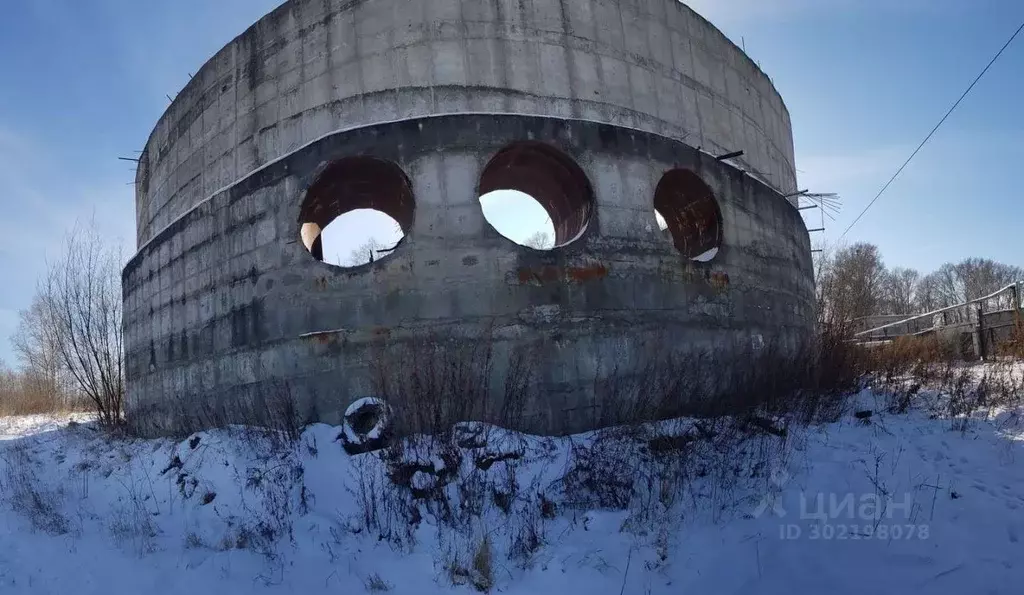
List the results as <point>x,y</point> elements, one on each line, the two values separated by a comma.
<point>520,218</point>
<point>536,196</point>
<point>688,213</point>
<point>357,211</point>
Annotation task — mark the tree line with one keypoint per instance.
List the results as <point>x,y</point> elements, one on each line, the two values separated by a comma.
<point>853,282</point>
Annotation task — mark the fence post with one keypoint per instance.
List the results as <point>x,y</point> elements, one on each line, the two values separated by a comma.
<point>1018,307</point>
<point>979,334</point>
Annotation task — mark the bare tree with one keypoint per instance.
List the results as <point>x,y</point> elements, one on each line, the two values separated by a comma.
<point>850,283</point>
<point>853,282</point>
<point>971,278</point>
<point>81,305</point>
<point>35,344</point>
<point>540,240</point>
<point>368,251</point>
<point>898,286</point>
<point>8,389</point>
<point>981,276</point>
<point>927,294</point>
<point>372,249</point>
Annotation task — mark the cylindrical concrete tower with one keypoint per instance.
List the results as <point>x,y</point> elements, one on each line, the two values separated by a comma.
<point>602,110</point>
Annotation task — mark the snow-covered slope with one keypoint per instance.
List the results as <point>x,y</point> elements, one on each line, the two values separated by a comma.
<point>893,503</point>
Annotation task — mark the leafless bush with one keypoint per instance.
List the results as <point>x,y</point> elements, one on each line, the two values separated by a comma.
<point>80,313</point>
<point>963,401</point>
<point>265,427</point>
<point>746,403</point>
<point>973,391</point>
<point>806,383</point>
<point>483,565</point>
<point>651,470</point>
<point>132,525</point>
<point>386,511</point>
<point>273,497</point>
<point>432,385</point>
<point>376,584</point>
<point>528,535</point>
<point>472,563</point>
<point>265,412</point>
<point>1013,347</point>
<point>920,357</point>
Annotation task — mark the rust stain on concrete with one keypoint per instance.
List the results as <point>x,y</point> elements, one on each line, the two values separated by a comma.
<point>716,280</point>
<point>323,338</point>
<point>553,274</point>
<point>719,280</point>
<point>590,273</point>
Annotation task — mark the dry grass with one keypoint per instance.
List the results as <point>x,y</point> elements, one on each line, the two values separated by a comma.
<point>483,566</point>
<point>454,379</point>
<point>915,355</point>
<point>736,421</point>
<point>1014,346</point>
<point>376,584</point>
<point>907,368</point>
<point>480,379</point>
<point>21,488</point>
<point>269,406</point>
<point>20,403</point>
<point>20,394</point>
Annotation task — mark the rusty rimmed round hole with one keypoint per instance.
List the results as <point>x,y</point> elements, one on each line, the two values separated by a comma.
<point>358,210</point>
<point>688,213</point>
<point>536,195</point>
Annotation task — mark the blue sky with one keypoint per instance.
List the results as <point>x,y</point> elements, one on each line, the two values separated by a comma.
<point>85,80</point>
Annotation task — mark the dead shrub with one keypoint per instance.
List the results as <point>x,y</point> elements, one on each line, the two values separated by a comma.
<point>132,525</point>
<point>483,566</point>
<point>1013,347</point>
<point>375,584</point>
<point>386,512</point>
<point>916,356</point>
<point>472,563</point>
<point>266,412</point>
<point>808,382</point>
<point>434,384</point>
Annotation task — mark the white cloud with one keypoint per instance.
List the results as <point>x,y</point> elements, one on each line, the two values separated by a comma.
<point>729,12</point>
<point>40,207</point>
<point>724,11</point>
<point>8,324</point>
<point>829,172</point>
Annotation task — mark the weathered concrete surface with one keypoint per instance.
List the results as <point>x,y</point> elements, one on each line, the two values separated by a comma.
<point>223,297</point>
<point>313,67</point>
<point>227,296</point>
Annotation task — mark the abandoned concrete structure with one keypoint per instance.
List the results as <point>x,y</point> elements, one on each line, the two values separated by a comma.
<point>602,110</point>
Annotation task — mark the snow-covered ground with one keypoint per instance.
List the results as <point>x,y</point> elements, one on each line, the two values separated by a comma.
<point>895,503</point>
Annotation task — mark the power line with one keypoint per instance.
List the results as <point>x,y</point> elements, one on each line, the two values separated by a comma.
<point>937,126</point>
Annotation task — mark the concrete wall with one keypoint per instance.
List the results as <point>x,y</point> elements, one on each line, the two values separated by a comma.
<point>313,67</point>
<point>227,297</point>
